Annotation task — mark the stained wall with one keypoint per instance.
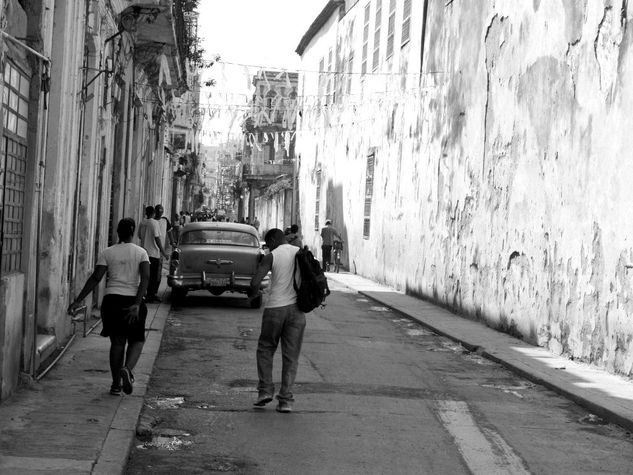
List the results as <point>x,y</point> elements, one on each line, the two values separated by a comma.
<point>502,174</point>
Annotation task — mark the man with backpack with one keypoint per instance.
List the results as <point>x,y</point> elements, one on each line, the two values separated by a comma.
<point>282,320</point>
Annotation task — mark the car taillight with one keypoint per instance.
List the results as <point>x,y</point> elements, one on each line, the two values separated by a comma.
<point>174,262</point>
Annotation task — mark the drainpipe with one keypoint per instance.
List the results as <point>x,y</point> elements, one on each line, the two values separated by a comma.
<point>72,264</point>
<point>424,24</point>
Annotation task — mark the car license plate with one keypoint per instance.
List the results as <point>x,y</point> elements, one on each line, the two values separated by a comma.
<point>218,281</point>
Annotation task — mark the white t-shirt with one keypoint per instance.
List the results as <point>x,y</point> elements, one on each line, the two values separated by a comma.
<point>147,231</point>
<point>122,261</point>
<point>162,225</point>
<point>282,291</point>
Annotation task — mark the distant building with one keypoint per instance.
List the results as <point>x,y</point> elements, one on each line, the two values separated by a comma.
<point>269,148</point>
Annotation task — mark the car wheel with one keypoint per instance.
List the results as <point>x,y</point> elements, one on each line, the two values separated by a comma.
<point>178,296</point>
<point>256,302</point>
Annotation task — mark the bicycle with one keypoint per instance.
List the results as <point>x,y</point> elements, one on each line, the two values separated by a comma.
<point>337,249</point>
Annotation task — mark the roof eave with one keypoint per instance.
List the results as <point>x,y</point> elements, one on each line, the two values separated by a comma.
<point>318,23</point>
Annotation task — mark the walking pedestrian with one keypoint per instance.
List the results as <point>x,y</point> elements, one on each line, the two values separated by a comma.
<point>281,320</point>
<point>256,223</point>
<point>123,311</point>
<point>149,235</point>
<point>327,235</point>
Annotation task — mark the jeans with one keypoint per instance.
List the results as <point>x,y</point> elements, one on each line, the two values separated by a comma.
<point>326,250</point>
<point>154,276</point>
<point>286,324</point>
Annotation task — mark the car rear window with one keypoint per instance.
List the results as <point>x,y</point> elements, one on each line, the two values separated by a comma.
<point>219,237</point>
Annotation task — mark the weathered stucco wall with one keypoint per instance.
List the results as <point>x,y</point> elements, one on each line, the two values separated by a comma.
<point>502,187</point>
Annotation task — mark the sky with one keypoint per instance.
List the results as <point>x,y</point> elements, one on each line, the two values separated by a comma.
<point>260,32</point>
<point>255,33</point>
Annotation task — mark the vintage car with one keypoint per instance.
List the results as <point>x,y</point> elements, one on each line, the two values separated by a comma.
<point>218,257</point>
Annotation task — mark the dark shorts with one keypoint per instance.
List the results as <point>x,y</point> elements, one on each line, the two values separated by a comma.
<point>113,318</point>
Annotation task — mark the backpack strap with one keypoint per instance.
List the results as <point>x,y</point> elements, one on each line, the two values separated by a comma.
<point>294,275</point>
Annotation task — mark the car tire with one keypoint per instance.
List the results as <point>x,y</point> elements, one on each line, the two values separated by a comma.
<point>178,296</point>
<point>256,302</point>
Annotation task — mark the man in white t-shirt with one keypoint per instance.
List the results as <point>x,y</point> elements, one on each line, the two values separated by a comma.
<point>123,312</point>
<point>282,319</point>
<point>149,235</point>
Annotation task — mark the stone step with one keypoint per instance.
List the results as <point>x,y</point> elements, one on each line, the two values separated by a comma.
<point>46,346</point>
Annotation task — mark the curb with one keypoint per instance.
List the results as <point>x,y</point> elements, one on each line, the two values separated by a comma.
<point>596,408</point>
<point>118,442</point>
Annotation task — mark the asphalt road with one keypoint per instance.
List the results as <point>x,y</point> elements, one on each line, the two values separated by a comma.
<point>375,393</point>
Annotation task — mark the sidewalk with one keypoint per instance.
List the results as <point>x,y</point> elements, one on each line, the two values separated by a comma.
<point>68,423</point>
<point>607,396</point>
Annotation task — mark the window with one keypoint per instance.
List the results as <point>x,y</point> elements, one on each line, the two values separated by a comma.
<point>377,35</point>
<point>321,82</point>
<point>330,79</point>
<point>406,22</point>
<point>318,200</point>
<point>321,76</point>
<point>350,60</point>
<point>363,68</point>
<point>15,96</point>
<point>391,26</point>
<point>369,193</point>
<point>219,237</point>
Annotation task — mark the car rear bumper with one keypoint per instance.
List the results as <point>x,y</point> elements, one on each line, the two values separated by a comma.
<point>204,281</point>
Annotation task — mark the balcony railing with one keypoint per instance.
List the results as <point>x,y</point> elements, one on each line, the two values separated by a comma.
<point>267,171</point>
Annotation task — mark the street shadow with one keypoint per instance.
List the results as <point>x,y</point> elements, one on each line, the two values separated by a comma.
<point>335,211</point>
<point>202,298</point>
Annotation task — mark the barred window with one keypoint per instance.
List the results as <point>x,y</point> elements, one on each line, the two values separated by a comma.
<point>391,27</point>
<point>406,22</point>
<point>363,68</point>
<point>369,193</point>
<point>377,25</point>
<point>15,95</point>
<point>318,200</point>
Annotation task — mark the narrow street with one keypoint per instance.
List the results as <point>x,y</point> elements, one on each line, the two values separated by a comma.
<point>375,393</point>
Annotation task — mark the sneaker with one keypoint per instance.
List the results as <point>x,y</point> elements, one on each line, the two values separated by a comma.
<point>115,390</point>
<point>262,400</point>
<point>284,406</point>
<point>127,379</point>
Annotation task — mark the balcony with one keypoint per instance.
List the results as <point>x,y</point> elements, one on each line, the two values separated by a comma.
<point>267,172</point>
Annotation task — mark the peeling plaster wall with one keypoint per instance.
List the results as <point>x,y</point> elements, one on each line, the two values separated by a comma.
<point>502,187</point>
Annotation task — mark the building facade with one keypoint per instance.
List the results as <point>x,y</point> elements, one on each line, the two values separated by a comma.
<point>85,89</point>
<point>475,154</point>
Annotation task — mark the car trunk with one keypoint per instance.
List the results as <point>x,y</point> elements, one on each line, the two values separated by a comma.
<point>219,260</point>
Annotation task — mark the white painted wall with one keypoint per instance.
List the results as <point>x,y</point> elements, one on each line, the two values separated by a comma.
<point>502,183</point>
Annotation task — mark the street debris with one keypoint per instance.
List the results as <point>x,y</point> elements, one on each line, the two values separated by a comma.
<point>592,419</point>
<point>165,402</point>
<point>513,390</point>
<point>419,332</point>
<point>165,443</point>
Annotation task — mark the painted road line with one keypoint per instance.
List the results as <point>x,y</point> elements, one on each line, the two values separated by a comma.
<point>485,452</point>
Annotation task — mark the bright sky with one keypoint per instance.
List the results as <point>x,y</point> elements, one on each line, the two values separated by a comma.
<point>261,33</point>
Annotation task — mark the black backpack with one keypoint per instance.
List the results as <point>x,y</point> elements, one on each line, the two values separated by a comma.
<point>313,289</point>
